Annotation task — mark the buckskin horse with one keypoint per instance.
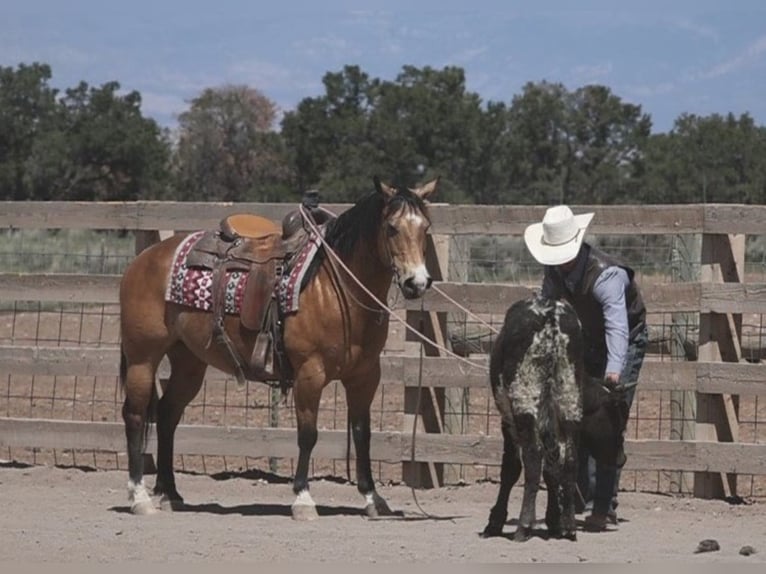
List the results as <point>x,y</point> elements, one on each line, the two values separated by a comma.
<point>337,333</point>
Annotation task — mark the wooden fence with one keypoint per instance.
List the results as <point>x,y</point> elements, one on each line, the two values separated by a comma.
<point>715,381</point>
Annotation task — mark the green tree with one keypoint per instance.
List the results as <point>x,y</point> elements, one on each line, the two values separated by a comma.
<point>493,176</point>
<point>714,159</point>
<point>87,144</point>
<point>427,123</point>
<point>609,138</point>
<point>329,140</point>
<point>228,149</point>
<point>584,146</point>
<point>539,149</point>
<point>424,123</point>
<point>111,151</point>
<point>27,108</point>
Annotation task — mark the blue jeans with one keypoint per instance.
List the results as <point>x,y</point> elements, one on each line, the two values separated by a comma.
<point>598,483</point>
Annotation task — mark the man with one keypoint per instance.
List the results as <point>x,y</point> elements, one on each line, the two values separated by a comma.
<point>609,305</point>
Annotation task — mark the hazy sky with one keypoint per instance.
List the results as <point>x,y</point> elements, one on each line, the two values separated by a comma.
<point>698,56</point>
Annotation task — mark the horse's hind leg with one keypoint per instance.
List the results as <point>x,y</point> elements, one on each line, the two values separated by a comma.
<point>360,393</point>
<point>140,394</point>
<point>186,375</point>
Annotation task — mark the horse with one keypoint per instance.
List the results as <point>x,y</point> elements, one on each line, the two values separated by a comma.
<point>338,333</point>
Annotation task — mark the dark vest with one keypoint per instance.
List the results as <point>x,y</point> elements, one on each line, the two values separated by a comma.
<point>589,309</point>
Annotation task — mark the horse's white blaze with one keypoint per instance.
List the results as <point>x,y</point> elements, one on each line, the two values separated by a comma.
<point>415,218</point>
<point>304,499</point>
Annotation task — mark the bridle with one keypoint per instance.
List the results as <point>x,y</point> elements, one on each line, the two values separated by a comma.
<point>391,262</point>
<point>335,266</point>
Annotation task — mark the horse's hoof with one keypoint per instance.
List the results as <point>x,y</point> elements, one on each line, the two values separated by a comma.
<point>371,511</point>
<point>492,530</point>
<point>170,504</point>
<point>378,510</point>
<point>143,508</point>
<point>304,512</point>
<point>377,506</point>
<point>569,535</point>
<point>522,534</point>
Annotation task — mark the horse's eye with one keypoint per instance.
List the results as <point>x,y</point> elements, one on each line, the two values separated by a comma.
<point>391,230</point>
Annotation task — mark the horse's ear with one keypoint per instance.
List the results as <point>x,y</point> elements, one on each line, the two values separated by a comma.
<point>384,189</point>
<point>426,189</point>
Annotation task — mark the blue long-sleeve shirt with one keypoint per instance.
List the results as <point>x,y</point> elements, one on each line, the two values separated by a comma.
<point>609,290</point>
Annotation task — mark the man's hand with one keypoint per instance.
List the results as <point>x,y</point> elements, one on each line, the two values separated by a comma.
<point>612,378</point>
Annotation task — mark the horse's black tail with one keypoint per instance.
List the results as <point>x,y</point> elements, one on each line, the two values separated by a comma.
<point>348,449</point>
<point>123,368</point>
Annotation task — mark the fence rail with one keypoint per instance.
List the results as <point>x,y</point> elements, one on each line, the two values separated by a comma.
<point>440,372</point>
<point>391,446</point>
<point>447,219</point>
<point>716,300</point>
<point>484,298</point>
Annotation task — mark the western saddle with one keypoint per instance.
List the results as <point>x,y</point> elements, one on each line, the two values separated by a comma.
<point>263,249</point>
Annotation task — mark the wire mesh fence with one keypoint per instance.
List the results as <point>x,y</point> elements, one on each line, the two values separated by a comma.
<point>658,415</point>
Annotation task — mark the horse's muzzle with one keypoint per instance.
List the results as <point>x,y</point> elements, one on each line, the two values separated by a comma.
<point>415,286</point>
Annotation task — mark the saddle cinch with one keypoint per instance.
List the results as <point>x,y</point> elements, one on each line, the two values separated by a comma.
<point>263,249</point>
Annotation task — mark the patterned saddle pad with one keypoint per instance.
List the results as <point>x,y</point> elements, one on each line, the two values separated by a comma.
<point>193,286</point>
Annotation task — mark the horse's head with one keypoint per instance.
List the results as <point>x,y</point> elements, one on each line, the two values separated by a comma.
<point>402,235</point>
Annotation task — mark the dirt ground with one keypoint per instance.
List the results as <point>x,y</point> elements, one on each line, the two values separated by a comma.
<point>53,514</point>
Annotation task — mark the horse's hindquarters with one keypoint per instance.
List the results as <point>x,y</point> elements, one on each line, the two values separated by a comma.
<point>143,327</point>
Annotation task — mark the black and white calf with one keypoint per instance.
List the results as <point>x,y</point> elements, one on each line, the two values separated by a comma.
<point>537,377</point>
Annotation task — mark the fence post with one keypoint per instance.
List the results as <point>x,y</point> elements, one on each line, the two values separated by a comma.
<point>684,341</point>
<point>723,260</point>
<point>432,399</point>
<point>456,399</point>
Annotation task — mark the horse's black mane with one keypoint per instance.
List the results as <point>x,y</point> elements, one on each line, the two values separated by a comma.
<point>361,222</point>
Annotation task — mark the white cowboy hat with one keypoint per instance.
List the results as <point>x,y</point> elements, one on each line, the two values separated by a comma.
<point>558,238</point>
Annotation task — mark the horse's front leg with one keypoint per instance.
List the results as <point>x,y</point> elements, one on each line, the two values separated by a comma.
<point>360,392</point>
<point>309,382</point>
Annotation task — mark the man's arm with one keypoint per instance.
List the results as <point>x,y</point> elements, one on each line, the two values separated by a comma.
<point>609,291</point>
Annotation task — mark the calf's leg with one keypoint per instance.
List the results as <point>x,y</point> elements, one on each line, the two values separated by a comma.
<point>569,484</point>
<point>509,474</point>
<point>532,459</point>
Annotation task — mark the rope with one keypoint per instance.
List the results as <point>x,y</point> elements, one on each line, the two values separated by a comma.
<point>414,433</point>
<point>465,310</point>
<point>336,259</point>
